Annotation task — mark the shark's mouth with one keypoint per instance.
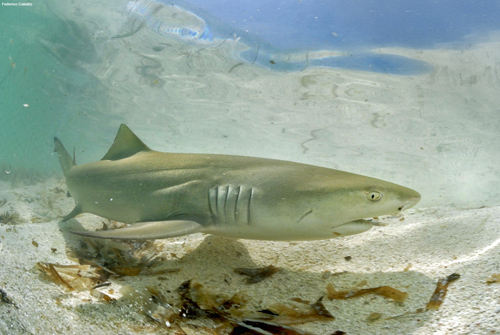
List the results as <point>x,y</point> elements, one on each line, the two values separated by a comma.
<point>351,228</point>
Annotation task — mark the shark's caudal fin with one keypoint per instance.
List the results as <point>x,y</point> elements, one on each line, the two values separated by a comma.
<point>147,230</point>
<point>125,145</point>
<point>66,161</point>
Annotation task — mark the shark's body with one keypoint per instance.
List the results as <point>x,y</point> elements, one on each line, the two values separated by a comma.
<point>168,194</point>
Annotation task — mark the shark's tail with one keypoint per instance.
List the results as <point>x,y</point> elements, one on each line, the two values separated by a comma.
<point>66,161</point>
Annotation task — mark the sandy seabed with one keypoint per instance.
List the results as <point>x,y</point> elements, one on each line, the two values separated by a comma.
<point>408,252</point>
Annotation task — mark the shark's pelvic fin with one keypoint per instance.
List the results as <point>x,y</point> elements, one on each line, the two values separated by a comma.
<point>147,230</point>
<point>125,145</point>
<point>77,210</point>
<point>64,157</point>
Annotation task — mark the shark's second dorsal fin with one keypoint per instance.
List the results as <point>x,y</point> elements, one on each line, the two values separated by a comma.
<point>125,145</point>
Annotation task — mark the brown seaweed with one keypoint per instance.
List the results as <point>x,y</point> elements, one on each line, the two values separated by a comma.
<point>256,275</point>
<point>101,295</point>
<point>286,315</point>
<point>384,291</point>
<point>494,278</point>
<point>73,277</point>
<point>417,311</point>
<point>437,297</point>
<point>190,308</point>
<point>120,258</point>
<point>440,291</point>
<point>101,285</point>
<point>231,315</point>
<point>321,310</point>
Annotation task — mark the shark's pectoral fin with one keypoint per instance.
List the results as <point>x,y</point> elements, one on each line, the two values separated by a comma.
<point>147,230</point>
<point>351,228</point>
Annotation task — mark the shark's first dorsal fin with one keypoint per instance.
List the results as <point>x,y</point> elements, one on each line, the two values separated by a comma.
<point>125,145</point>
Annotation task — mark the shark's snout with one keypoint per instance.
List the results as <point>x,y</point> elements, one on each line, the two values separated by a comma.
<point>410,202</point>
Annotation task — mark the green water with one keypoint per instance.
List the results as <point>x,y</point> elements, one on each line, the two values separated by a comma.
<point>43,91</point>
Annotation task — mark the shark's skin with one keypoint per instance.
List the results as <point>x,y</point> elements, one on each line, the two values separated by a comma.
<point>169,194</point>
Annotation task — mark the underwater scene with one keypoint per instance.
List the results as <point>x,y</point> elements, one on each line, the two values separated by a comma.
<point>250,167</point>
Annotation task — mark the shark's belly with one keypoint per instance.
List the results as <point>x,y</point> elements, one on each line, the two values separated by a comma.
<point>272,231</point>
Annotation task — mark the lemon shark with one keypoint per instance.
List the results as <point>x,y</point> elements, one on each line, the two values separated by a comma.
<point>166,195</point>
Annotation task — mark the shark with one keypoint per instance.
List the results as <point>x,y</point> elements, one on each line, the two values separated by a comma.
<point>163,195</point>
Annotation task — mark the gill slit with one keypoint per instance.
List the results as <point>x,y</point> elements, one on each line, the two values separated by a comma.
<point>226,199</point>
<point>248,206</point>
<point>236,204</point>
<point>212,203</point>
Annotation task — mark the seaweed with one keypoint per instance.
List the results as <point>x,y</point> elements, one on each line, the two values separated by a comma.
<point>101,295</point>
<point>106,284</point>
<point>230,316</point>
<point>494,278</point>
<point>385,291</point>
<point>120,258</point>
<point>440,291</point>
<point>321,310</point>
<point>190,309</point>
<point>74,277</point>
<point>98,260</point>
<point>286,315</point>
<point>256,275</point>
<point>417,311</point>
<point>437,297</point>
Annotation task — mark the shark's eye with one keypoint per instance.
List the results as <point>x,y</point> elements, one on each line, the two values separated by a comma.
<point>374,196</point>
